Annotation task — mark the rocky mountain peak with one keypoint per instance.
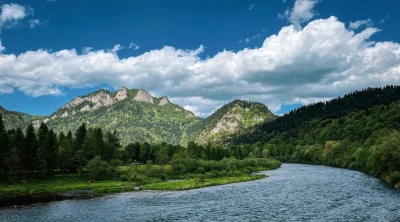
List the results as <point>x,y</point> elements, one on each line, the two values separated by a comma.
<point>143,96</point>
<point>163,101</point>
<point>122,94</point>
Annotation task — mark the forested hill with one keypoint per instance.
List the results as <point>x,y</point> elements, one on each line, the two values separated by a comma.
<point>233,118</point>
<point>13,119</point>
<point>358,131</point>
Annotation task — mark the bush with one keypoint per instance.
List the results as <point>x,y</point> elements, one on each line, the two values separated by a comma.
<point>393,177</point>
<point>98,169</point>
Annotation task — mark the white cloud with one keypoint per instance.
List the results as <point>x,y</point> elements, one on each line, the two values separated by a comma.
<point>323,60</point>
<point>34,22</point>
<point>116,48</point>
<point>360,23</point>
<point>249,39</point>
<point>134,46</point>
<point>12,13</point>
<point>252,7</point>
<point>2,48</point>
<point>301,12</point>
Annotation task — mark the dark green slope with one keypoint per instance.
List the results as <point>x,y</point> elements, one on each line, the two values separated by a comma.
<point>359,131</point>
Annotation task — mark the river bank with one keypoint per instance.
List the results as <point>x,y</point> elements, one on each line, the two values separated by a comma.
<point>64,187</point>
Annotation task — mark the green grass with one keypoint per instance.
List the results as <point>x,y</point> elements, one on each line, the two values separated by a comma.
<point>197,183</point>
<point>60,183</point>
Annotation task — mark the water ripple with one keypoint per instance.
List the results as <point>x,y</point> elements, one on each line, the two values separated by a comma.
<point>292,193</point>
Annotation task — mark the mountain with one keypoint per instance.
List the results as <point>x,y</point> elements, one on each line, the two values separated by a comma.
<point>13,119</point>
<point>138,116</point>
<point>234,118</point>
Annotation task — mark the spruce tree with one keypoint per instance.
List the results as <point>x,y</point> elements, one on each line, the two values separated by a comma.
<point>4,149</point>
<point>79,139</point>
<point>29,154</point>
<point>43,147</point>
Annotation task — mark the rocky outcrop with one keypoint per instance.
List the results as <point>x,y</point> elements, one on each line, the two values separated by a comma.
<point>163,101</point>
<point>86,108</point>
<point>122,94</point>
<point>189,114</point>
<point>65,114</point>
<point>100,99</point>
<point>36,124</point>
<point>228,123</point>
<point>143,96</point>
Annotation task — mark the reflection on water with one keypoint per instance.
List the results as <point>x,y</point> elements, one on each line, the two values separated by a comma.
<point>292,193</point>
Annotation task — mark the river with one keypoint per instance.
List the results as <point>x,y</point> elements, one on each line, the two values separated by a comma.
<point>293,192</point>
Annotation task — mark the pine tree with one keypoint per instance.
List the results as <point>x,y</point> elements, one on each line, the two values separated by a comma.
<point>43,147</point>
<point>80,136</point>
<point>29,154</point>
<point>4,148</point>
<point>51,152</point>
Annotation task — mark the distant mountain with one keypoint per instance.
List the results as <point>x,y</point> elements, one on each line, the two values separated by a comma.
<point>231,119</point>
<point>13,119</point>
<point>137,116</point>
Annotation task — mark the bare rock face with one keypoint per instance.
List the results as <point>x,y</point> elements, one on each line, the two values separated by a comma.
<point>65,114</point>
<point>143,96</point>
<point>36,124</point>
<point>164,101</point>
<point>189,114</point>
<point>121,94</point>
<point>86,108</point>
<point>228,123</point>
<point>100,99</point>
<point>78,100</point>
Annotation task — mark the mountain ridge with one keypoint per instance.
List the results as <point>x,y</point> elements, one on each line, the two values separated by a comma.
<point>138,116</point>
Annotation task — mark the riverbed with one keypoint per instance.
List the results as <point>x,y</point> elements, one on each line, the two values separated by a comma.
<point>293,192</point>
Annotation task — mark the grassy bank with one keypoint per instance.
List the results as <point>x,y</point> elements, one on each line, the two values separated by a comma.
<point>187,173</point>
<point>198,183</point>
<point>61,183</point>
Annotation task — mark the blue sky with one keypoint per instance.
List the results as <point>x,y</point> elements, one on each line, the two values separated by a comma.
<point>201,54</point>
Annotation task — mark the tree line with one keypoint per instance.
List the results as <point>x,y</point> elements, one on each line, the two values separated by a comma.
<point>40,153</point>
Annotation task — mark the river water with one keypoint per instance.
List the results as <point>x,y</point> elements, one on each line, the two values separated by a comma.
<point>293,192</point>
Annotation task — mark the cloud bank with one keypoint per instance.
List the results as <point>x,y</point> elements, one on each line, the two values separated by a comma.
<point>322,60</point>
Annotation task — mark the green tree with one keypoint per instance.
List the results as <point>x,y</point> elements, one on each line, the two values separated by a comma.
<point>162,155</point>
<point>29,155</point>
<point>79,138</point>
<point>65,152</point>
<point>4,148</point>
<point>98,169</point>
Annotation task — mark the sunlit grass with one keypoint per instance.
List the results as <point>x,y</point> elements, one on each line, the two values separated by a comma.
<point>198,183</point>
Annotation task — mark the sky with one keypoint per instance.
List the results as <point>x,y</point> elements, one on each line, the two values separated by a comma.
<point>200,53</point>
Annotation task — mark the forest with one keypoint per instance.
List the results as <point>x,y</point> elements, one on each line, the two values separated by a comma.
<point>42,157</point>
<point>358,131</point>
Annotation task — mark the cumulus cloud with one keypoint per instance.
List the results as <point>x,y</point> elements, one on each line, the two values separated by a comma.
<point>12,13</point>
<point>320,61</point>
<point>360,23</point>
